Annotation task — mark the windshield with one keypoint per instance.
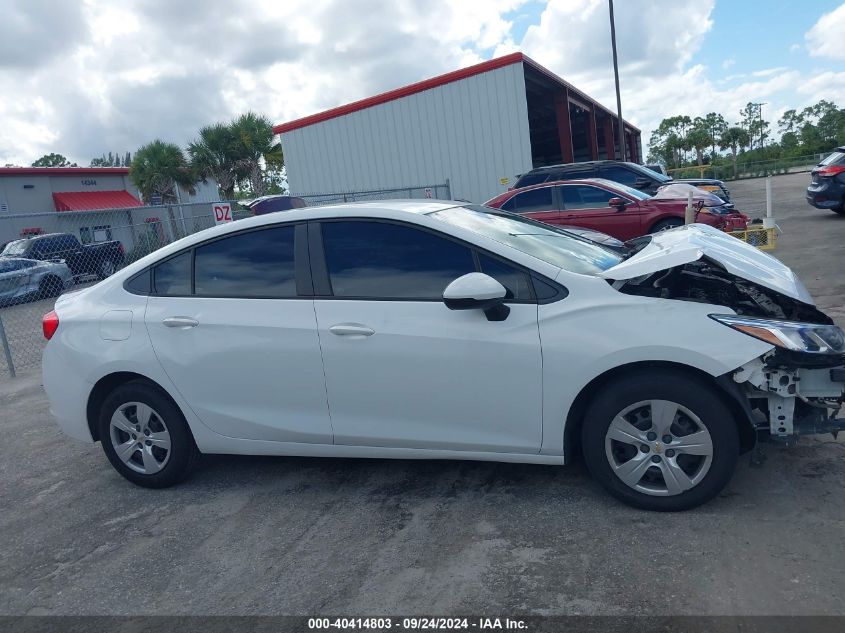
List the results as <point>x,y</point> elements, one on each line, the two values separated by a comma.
<point>18,247</point>
<point>636,194</point>
<point>559,248</point>
<point>834,159</point>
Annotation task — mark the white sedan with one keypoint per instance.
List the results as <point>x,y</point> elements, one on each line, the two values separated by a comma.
<point>433,330</point>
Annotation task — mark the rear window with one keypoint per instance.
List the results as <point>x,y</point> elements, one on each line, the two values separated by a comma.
<point>836,158</point>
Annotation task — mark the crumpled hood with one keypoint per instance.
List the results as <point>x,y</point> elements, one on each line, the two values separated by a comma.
<point>686,244</point>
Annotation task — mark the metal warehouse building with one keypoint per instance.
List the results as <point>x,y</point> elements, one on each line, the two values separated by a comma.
<point>476,128</point>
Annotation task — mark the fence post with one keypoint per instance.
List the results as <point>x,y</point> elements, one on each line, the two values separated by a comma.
<point>448,190</point>
<point>5,342</point>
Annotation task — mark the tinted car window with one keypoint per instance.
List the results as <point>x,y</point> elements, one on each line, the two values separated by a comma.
<point>836,158</point>
<point>254,264</point>
<point>584,197</point>
<point>376,260</point>
<point>533,200</point>
<point>173,277</point>
<point>515,281</point>
<point>619,174</point>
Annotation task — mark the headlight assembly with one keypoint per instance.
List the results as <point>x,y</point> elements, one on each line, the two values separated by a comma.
<point>799,337</point>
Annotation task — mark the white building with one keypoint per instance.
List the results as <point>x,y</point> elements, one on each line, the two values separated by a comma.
<point>477,127</point>
<point>95,204</point>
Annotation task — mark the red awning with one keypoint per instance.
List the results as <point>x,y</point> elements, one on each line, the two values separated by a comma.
<point>90,200</point>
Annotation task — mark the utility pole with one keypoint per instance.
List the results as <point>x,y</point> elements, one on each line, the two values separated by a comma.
<point>616,77</point>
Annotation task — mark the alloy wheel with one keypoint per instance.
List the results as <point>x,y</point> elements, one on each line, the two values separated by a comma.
<point>658,447</point>
<point>140,437</point>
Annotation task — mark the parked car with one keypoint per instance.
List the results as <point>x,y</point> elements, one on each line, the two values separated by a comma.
<point>100,259</point>
<point>432,330</point>
<point>827,188</point>
<point>625,173</point>
<point>271,204</point>
<point>25,279</point>
<point>619,211</point>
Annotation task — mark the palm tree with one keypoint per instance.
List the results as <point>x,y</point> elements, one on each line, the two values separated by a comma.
<point>254,142</point>
<point>734,138</point>
<point>214,154</point>
<point>158,168</point>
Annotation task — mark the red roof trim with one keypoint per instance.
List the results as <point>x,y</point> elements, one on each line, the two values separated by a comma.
<point>61,171</point>
<point>94,200</point>
<point>392,95</point>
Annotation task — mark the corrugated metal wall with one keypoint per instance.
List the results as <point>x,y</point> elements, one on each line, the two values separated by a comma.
<point>473,132</point>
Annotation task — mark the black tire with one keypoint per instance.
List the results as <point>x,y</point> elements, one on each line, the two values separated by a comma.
<point>106,268</point>
<point>665,225</point>
<point>662,385</point>
<point>183,450</point>
<point>841,208</point>
<point>50,286</point>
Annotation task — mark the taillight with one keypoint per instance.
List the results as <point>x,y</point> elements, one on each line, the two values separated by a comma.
<point>832,170</point>
<point>49,324</point>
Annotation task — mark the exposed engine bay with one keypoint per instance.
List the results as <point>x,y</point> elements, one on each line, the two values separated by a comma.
<point>704,281</point>
<point>790,392</point>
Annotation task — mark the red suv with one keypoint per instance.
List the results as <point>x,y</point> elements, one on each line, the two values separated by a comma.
<point>616,209</point>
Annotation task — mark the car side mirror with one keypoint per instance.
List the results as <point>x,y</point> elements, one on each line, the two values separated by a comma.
<point>619,203</point>
<point>477,291</point>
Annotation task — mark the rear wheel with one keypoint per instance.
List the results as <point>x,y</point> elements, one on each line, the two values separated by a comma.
<point>665,225</point>
<point>660,441</point>
<point>841,208</point>
<point>145,436</point>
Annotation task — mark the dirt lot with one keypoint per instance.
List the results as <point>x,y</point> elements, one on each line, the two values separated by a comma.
<point>317,536</point>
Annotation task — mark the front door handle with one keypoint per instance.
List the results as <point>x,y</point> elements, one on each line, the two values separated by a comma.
<point>351,329</point>
<point>180,322</point>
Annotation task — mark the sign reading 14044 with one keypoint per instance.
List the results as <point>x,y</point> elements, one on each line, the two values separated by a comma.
<point>89,181</point>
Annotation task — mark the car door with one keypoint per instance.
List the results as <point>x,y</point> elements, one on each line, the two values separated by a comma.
<point>587,206</point>
<point>233,326</point>
<point>404,371</point>
<point>538,204</point>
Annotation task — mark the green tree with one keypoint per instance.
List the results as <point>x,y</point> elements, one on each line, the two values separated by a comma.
<point>215,154</point>
<point>159,168</point>
<point>699,138</point>
<point>716,126</point>
<point>254,143</point>
<point>734,138</point>
<point>53,160</point>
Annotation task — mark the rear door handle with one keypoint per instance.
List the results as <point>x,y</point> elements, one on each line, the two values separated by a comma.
<point>180,322</point>
<point>351,329</point>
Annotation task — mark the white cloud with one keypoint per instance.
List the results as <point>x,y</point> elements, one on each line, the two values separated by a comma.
<point>124,73</point>
<point>824,39</point>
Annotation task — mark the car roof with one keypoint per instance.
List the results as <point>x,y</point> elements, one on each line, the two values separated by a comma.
<point>600,182</point>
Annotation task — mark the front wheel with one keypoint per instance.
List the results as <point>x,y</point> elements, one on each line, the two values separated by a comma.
<point>145,436</point>
<point>660,441</point>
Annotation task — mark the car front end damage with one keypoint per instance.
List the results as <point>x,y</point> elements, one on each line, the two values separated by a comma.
<point>794,389</point>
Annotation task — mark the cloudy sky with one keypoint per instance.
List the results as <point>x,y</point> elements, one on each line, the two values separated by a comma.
<point>84,77</point>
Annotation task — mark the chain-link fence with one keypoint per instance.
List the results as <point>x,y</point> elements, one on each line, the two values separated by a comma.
<point>73,249</point>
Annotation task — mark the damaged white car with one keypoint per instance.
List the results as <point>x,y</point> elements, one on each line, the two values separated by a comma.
<point>431,330</point>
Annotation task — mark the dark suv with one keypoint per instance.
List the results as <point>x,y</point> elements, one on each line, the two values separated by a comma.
<point>827,189</point>
<point>625,173</point>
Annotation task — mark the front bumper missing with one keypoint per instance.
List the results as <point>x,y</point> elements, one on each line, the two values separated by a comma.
<point>792,401</point>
